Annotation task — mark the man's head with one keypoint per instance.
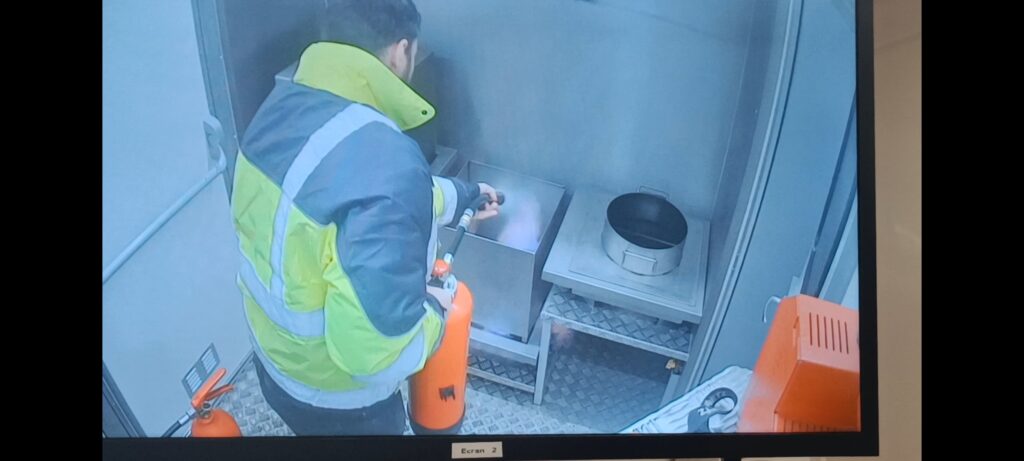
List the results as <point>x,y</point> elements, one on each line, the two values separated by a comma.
<point>386,28</point>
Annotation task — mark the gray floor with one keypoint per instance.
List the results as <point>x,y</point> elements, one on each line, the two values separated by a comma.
<point>252,413</point>
<point>485,414</point>
<point>593,382</point>
<point>594,385</point>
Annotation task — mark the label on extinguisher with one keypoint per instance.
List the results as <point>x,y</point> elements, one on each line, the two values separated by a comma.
<point>476,450</point>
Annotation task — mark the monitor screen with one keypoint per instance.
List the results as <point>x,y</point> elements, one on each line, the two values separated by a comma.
<point>504,228</point>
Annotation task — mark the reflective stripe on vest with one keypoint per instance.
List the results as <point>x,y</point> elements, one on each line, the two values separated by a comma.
<point>321,143</point>
<point>311,324</point>
<point>376,387</point>
<point>450,197</point>
<point>302,324</point>
<point>365,396</point>
<point>316,148</point>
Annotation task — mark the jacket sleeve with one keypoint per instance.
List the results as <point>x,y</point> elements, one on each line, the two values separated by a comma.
<point>451,196</point>
<point>381,325</point>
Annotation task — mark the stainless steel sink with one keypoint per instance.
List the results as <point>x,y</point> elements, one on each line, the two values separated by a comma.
<point>501,259</point>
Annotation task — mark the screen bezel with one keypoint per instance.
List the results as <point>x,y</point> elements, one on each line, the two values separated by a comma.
<point>613,446</point>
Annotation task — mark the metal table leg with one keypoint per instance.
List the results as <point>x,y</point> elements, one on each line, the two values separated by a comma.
<point>671,387</point>
<point>542,360</point>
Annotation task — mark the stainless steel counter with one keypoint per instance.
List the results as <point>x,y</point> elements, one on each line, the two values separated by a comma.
<point>577,261</point>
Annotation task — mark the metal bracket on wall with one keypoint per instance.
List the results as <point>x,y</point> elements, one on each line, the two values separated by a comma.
<point>161,220</point>
<point>795,288</point>
<point>214,140</point>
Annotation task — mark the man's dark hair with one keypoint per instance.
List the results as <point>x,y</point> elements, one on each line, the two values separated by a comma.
<point>371,24</point>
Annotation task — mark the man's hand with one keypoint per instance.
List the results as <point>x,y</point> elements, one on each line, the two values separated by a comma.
<point>443,297</point>
<point>491,207</point>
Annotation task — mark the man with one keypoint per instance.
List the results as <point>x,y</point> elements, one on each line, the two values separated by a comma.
<point>336,214</point>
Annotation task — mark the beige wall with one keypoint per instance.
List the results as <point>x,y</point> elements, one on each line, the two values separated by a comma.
<point>898,203</point>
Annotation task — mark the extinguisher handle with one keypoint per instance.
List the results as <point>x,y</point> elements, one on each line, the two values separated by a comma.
<point>477,204</point>
<point>484,200</point>
<point>207,392</point>
<point>219,392</point>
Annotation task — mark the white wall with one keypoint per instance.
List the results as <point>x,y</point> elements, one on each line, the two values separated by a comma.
<point>177,294</point>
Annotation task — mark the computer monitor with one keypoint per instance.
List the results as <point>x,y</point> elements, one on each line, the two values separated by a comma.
<point>682,262</point>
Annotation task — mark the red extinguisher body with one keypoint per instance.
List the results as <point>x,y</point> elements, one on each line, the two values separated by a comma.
<point>215,423</point>
<point>437,394</point>
<point>209,421</point>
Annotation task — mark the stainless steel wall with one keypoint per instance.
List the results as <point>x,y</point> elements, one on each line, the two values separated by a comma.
<point>262,37</point>
<point>764,63</point>
<point>611,92</point>
<point>243,44</point>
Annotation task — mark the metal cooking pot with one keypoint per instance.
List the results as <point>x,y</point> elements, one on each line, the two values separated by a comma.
<point>644,233</point>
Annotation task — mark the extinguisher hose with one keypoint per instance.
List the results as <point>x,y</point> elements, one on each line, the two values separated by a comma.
<point>476,205</point>
<point>180,422</point>
<point>174,428</point>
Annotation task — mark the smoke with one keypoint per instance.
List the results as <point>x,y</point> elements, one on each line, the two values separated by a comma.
<point>561,336</point>
<point>523,224</point>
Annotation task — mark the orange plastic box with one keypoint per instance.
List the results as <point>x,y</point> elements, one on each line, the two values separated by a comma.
<point>807,378</point>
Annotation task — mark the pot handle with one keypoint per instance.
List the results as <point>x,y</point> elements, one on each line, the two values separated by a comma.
<point>652,191</point>
<point>640,263</point>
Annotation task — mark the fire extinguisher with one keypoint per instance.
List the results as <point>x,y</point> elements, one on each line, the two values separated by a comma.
<point>206,420</point>
<point>437,393</point>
